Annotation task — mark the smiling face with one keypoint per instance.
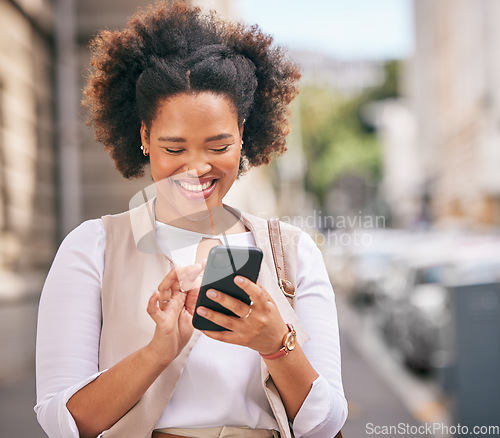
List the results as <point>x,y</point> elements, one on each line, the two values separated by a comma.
<point>194,145</point>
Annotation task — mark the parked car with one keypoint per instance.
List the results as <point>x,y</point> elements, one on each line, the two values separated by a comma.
<point>412,303</point>
<point>367,264</point>
<point>413,309</point>
<point>415,306</point>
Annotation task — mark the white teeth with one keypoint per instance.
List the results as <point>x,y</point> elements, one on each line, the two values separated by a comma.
<point>195,188</point>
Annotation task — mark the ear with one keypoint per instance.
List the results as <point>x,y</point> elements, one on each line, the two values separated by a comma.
<point>242,128</point>
<point>144,134</point>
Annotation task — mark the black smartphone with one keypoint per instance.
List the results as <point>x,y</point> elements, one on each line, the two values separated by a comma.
<point>223,264</point>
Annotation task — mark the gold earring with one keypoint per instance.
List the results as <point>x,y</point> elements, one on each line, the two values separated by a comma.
<point>144,151</point>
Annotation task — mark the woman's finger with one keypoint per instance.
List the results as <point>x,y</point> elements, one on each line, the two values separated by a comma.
<point>221,319</point>
<point>167,282</point>
<point>177,302</point>
<point>192,296</point>
<point>152,308</point>
<point>171,283</point>
<point>235,305</point>
<point>165,296</point>
<point>188,275</point>
<point>156,305</point>
<point>255,291</point>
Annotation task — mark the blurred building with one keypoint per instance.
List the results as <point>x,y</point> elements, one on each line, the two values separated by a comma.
<point>28,203</point>
<point>443,143</point>
<point>347,77</point>
<point>28,200</point>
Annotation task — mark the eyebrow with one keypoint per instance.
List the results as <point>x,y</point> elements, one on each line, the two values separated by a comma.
<point>207,140</point>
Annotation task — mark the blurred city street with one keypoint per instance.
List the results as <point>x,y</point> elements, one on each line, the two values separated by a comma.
<point>17,385</point>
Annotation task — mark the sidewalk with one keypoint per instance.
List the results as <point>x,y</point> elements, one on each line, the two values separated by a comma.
<point>17,418</point>
<point>370,399</point>
<point>380,392</point>
<point>17,368</point>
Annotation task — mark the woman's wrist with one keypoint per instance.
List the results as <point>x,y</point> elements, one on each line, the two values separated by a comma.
<point>155,355</point>
<point>285,346</point>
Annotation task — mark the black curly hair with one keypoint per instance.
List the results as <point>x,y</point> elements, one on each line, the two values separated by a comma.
<point>171,48</point>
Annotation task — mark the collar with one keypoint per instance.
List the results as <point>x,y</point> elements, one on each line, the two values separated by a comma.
<point>143,224</point>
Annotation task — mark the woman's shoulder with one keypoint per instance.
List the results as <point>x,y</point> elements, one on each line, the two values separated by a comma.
<point>87,229</point>
<point>263,222</point>
<point>88,237</point>
<point>82,249</point>
<point>307,244</point>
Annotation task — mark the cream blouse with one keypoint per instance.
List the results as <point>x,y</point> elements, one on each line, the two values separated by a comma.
<point>220,384</point>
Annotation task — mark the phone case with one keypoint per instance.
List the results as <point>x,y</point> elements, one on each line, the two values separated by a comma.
<point>223,264</point>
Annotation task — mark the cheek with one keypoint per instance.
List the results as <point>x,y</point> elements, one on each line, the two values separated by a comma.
<point>162,167</point>
<point>231,164</point>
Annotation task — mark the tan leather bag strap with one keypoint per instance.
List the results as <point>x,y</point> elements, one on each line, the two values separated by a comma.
<point>286,286</point>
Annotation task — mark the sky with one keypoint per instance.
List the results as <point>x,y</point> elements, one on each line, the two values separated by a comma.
<point>346,29</point>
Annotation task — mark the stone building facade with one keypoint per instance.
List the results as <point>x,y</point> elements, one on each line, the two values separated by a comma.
<point>451,118</point>
<point>28,204</point>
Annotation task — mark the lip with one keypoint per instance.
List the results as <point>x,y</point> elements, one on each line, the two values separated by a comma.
<point>204,194</point>
<point>194,180</point>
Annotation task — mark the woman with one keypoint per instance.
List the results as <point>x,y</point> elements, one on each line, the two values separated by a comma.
<point>199,101</point>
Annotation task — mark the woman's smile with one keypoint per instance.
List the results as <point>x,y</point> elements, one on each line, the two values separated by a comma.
<point>196,189</point>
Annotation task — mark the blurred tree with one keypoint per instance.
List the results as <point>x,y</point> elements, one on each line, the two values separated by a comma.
<point>336,139</point>
<point>390,87</point>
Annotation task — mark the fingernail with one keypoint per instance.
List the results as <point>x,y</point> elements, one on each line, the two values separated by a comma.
<point>239,280</point>
<point>201,311</point>
<point>198,265</point>
<point>211,293</point>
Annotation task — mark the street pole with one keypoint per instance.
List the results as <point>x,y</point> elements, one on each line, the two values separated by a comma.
<point>68,135</point>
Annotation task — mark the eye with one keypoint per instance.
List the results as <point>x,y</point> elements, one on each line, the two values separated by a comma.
<point>222,149</point>
<point>173,151</point>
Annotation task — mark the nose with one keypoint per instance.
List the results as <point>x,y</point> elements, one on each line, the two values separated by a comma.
<point>197,166</point>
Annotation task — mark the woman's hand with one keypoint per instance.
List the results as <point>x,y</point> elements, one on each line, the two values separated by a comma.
<point>171,307</point>
<point>263,330</point>
<point>96,406</point>
<point>259,326</point>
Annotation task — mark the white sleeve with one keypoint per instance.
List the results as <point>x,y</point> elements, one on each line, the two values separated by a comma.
<point>324,411</point>
<point>69,326</point>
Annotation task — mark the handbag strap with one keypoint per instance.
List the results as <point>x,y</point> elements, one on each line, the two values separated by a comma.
<point>286,286</point>
<point>284,283</point>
